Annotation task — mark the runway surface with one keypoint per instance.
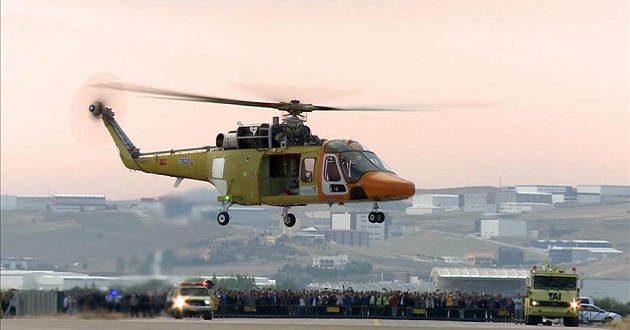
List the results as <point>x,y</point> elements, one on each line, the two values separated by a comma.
<point>55,323</point>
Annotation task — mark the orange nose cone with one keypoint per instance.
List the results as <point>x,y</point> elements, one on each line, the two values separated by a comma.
<point>386,186</point>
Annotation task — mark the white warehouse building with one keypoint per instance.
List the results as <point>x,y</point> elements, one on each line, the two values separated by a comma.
<point>595,193</point>
<point>559,194</point>
<point>433,203</point>
<point>503,228</point>
<point>604,190</point>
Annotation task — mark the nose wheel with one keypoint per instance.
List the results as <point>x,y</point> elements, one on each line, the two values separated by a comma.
<point>288,218</point>
<point>376,216</point>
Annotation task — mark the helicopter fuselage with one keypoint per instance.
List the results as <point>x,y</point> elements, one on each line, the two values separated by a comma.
<point>278,164</point>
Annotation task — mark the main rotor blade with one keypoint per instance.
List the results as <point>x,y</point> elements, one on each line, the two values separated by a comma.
<point>401,109</point>
<point>293,107</point>
<point>173,95</point>
<point>433,106</point>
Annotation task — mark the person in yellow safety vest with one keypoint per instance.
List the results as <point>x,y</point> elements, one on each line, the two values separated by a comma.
<point>216,301</point>
<point>449,305</point>
<point>379,305</point>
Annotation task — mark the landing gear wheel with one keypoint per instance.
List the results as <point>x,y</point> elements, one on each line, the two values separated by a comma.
<point>373,217</point>
<point>380,217</point>
<point>289,220</point>
<point>223,218</point>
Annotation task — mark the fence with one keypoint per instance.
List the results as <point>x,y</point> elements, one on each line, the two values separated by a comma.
<point>32,302</point>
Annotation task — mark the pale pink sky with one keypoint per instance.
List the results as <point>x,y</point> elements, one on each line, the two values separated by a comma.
<point>557,71</point>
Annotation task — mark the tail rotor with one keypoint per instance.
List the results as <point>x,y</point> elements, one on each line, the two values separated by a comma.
<point>87,107</point>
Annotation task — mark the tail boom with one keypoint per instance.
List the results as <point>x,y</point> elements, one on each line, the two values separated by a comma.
<point>189,163</point>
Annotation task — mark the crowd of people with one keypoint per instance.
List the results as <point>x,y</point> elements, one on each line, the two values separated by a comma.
<point>348,303</point>
<point>308,303</point>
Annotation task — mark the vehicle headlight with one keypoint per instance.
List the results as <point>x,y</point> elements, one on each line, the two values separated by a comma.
<point>534,303</point>
<point>207,302</point>
<point>574,304</point>
<point>179,302</point>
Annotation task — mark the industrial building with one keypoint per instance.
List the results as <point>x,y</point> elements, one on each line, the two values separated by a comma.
<point>515,208</point>
<point>474,202</point>
<point>470,259</point>
<point>510,256</point>
<point>604,191</point>
<point>347,237</point>
<point>360,222</point>
<point>330,262</point>
<point>559,194</point>
<point>588,194</point>
<point>573,255</point>
<point>552,243</point>
<point>65,203</point>
<point>56,202</point>
<point>337,236</point>
<point>502,228</point>
<point>510,200</point>
<point>433,203</point>
<point>376,231</point>
<point>576,251</point>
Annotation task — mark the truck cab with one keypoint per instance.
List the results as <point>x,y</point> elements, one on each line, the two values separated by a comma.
<point>552,293</point>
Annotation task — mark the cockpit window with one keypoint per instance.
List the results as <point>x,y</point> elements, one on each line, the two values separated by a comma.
<point>337,146</point>
<point>371,155</point>
<point>377,161</point>
<point>354,164</point>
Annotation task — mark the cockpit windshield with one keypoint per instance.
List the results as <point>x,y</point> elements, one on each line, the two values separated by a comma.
<point>356,159</point>
<point>371,156</point>
<point>377,161</point>
<point>355,164</point>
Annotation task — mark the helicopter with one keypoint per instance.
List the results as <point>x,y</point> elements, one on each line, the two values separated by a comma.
<point>279,163</point>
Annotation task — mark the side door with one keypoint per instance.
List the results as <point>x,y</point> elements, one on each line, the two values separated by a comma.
<point>333,182</point>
